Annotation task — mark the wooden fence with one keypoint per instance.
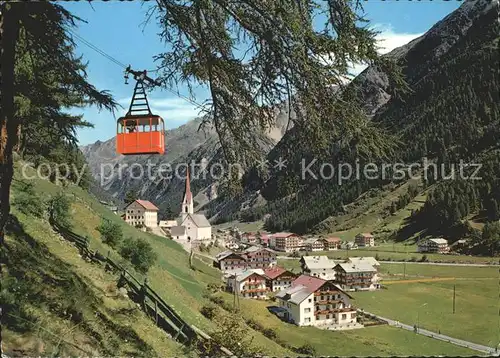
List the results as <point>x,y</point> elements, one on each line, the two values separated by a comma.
<point>151,303</point>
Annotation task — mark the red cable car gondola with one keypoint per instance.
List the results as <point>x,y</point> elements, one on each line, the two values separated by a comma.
<point>140,131</point>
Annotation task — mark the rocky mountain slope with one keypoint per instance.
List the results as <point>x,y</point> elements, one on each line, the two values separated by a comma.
<point>117,174</point>
<point>451,111</point>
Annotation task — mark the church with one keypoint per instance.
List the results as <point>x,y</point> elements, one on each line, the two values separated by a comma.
<point>191,226</point>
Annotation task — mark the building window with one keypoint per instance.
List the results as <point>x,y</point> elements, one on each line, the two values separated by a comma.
<point>307,320</point>
<point>327,316</point>
<point>307,310</point>
<point>309,300</point>
<point>344,316</point>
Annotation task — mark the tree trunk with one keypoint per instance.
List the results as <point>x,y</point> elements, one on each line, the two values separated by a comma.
<point>9,30</point>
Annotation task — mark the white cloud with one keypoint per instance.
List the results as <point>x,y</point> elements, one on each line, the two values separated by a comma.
<point>171,109</point>
<point>387,40</point>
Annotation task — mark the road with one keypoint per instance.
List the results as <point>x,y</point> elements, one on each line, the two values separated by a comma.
<point>412,262</point>
<point>442,337</point>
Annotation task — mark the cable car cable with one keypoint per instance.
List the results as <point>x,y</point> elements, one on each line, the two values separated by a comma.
<point>114,60</point>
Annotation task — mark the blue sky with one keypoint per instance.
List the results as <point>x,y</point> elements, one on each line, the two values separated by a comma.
<point>118,29</point>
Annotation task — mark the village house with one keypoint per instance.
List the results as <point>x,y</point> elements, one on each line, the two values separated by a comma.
<point>249,283</point>
<point>141,213</point>
<point>253,257</point>
<point>332,243</point>
<point>278,278</point>
<point>230,261</point>
<point>259,257</point>
<point>250,238</point>
<point>439,246</point>
<point>356,277</point>
<point>264,238</point>
<point>285,242</point>
<point>314,244</point>
<point>318,266</point>
<point>311,301</point>
<point>364,240</point>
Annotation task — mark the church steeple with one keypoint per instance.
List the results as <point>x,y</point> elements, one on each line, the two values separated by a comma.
<point>187,202</point>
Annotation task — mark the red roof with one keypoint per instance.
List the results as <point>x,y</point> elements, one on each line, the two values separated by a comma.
<point>274,272</point>
<point>187,193</point>
<point>333,239</point>
<point>147,205</point>
<point>312,283</point>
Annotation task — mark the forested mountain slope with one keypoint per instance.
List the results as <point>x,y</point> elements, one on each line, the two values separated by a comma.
<point>450,113</point>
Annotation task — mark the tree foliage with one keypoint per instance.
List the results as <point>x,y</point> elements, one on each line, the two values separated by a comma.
<point>111,233</point>
<point>59,210</point>
<point>254,55</point>
<point>139,253</point>
<point>41,77</point>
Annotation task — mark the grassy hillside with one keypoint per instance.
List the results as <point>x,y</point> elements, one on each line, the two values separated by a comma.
<point>171,276</point>
<point>61,283</point>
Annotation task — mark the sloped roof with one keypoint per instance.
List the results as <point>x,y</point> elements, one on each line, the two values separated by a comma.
<point>178,231</point>
<point>332,239</point>
<point>145,204</point>
<point>295,294</point>
<point>365,235</point>
<point>363,260</point>
<point>283,234</point>
<point>318,262</point>
<point>187,192</point>
<point>353,268</point>
<point>243,275</point>
<point>252,249</point>
<point>273,272</point>
<point>312,283</point>
<point>228,253</point>
<point>199,220</point>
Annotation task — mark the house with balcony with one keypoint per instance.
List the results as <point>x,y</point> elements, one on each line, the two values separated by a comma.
<point>278,278</point>
<point>250,283</point>
<point>285,242</point>
<point>230,261</point>
<point>314,244</point>
<point>332,243</point>
<point>364,240</point>
<point>439,246</point>
<point>318,266</point>
<point>356,277</point>
<point>311,301</point>
<point>259,257</point>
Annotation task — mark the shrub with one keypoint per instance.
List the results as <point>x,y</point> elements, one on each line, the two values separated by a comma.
<point>424,258</point>
<point>307,349</point>
<point>59,209</point>
<point>255,325</point>
<point>413,259</point>
<point>270,333</point>
<point>209,311</point>
<point>139,253</point>
<point>29,203</point>
<point>111,233</point>
<point>217,300</point>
